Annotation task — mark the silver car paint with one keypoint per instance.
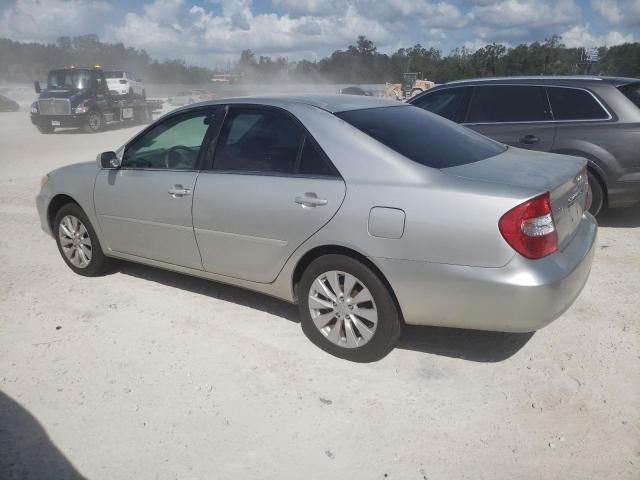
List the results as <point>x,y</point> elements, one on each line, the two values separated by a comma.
<point>450,249</point>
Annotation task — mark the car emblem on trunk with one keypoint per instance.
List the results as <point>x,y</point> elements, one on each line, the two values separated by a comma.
<point>572,198</point>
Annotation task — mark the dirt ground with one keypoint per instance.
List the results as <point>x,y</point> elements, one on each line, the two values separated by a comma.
<point>146,374</point>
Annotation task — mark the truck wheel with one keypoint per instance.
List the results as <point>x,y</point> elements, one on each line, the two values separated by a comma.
<point>45,129</point>
<point>130,95</point>
<point>144,94</point>
<point>94,123</point>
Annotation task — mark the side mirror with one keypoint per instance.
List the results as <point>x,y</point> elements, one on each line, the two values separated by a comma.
<point>36,85</point>
<point>108,160</point>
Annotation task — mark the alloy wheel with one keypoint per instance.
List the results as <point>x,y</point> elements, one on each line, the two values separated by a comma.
<point>75,241</point>
<point>342,309</point>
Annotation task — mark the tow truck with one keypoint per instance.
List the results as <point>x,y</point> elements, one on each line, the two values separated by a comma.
<point>79,98</point>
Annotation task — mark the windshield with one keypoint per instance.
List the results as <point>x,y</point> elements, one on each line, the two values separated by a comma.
<point>115,74</point>
<point>632,92</point>
<point>422,136</point>
<point>69,79</point>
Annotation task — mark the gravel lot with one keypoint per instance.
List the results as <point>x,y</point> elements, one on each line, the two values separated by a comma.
<point>146,374</point>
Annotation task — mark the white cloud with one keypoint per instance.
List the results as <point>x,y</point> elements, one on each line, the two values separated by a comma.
<point>581,36</point>
<point>45,20</point>
<point>513,13</point>
<point>624,12</point>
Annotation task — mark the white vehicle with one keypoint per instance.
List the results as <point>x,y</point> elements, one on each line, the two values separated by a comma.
<point>120,82</point>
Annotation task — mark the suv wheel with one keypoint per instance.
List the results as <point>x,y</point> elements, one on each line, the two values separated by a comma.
<point>597,195</point>
<point>346,309</point>
<point>44,128</point>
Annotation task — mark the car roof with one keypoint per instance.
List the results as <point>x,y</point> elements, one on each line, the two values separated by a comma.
<point>331,103</point>
<point>549,80</point>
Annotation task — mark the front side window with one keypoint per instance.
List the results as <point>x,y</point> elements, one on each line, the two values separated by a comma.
<point>423,137</point>
<point>448,103</point>
<point>508,103</point>
<point>256,140</point>
<point>574,104</point>
<point>173,144</point>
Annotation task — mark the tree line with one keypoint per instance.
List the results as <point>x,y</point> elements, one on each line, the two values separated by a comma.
<point>359,63</point>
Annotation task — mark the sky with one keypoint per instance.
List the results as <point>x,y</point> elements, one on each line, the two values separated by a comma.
<point>213,32</point>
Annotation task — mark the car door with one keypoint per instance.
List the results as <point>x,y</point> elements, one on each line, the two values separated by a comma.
<point>144,207</point>
<point>269,188</point>
<point>518,115</point>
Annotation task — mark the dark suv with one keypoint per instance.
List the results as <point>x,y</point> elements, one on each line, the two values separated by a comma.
<point>597,118</point>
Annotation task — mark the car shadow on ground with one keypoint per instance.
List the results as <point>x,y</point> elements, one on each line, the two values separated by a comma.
<point>472,345</point>
<point>620,217</point>
<point>219,291</point>
<point>26,451</point>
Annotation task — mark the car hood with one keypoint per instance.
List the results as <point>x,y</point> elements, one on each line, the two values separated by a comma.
<point>522,168</point>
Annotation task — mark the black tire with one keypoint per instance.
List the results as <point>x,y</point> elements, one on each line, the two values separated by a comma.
<point>388,327</point>
<point>130,95</point>
<point>597,195</point>
<point>144,94</point>
<point>45,129</point>
<point>99,264</point>
<point>94,123</point>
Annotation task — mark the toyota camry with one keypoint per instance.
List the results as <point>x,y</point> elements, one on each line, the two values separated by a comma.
<point>368,214</point>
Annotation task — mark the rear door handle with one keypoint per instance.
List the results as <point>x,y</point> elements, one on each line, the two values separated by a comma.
<point>529,139</point>
<point>179,191</point>
<point>311,200</point>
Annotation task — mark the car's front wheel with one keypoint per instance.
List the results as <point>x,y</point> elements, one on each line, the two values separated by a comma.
<point>347,310</point>
<point>78,243</point>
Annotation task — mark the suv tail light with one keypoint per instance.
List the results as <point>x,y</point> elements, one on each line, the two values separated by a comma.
<point>529,228</point>
<point>123,82</point>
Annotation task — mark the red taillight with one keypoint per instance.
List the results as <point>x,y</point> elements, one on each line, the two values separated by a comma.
<point>529,228</point>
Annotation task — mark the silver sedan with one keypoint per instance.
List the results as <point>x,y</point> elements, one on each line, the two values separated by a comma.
<point>369,214</point>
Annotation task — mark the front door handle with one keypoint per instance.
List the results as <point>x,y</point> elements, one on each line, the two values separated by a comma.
<point>529,139</point>
<point>179,191</point>
<point>310,200</point>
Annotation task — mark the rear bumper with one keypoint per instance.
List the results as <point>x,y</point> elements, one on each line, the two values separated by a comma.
<point>523,296</point>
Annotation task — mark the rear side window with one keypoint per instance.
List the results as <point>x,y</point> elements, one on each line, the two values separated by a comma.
<point>632,92</point>
<point>423,137</point>
<point>266,141</point>
<point>508,103</point>
<point>574,104</point>
<point>449,103</point>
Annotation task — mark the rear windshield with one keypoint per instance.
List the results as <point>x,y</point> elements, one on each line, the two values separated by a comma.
<point>422,136</point>
<point>632,92</point>
<point>115,74</point>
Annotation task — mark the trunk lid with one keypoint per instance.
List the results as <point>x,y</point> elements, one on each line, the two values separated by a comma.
<point>564,177</point>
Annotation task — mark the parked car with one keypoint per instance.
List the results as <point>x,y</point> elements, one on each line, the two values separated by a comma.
<point>355,91</point>
<point>124,83</point>
<point>187,97</point>
<point>8,105</point>
<point>369,213</point>
<point>597,118</point>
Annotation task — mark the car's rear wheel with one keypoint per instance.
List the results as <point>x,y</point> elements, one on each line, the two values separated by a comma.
<point>347,310</point>
<point>78,243</point>
<point>597,195</point>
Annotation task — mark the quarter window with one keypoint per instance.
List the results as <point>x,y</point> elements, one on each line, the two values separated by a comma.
<point>448,103</point>
<point>508,103</point>
<point>312,161</point>
<point>574,104</point>
<point>173,144</point>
